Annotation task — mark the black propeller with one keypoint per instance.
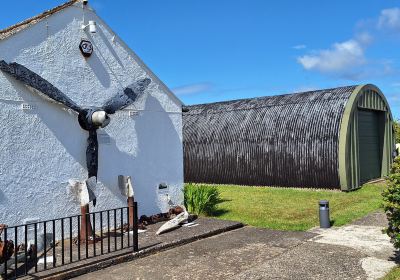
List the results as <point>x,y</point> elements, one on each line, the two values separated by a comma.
<point>126,98</point>
<point>27,77</point>
<point>90,119</point>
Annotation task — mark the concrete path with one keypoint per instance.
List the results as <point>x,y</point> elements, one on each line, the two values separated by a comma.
<point>356,251</point>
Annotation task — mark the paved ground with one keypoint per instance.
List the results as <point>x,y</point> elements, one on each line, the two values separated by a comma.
<point>356,251</point>
<point>149,243</point>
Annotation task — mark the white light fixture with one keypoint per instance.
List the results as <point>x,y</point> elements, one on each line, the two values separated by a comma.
<point>91,25</point>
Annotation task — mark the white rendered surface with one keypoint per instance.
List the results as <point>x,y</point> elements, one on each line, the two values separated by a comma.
<point>41,148</point>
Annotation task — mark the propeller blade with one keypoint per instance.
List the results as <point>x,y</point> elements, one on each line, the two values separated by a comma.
<point>30,78</point>
<point>92,152</point>
<point>126,98</point>
<point>91,186</point>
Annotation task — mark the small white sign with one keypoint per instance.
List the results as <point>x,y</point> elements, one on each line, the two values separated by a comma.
<point>27,107</point>
<point>49,259</point>
<point>133,113</point>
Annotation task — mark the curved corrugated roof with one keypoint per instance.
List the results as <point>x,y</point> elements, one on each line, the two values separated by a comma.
<point>285,140</point>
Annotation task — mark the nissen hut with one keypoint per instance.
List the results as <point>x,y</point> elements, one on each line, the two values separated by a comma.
<point>333,138</point>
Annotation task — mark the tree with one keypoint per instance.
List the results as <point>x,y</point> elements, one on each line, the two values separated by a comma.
<point>396,125</point>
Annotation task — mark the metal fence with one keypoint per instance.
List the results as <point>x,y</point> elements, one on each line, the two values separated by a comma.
<point>58,242</point>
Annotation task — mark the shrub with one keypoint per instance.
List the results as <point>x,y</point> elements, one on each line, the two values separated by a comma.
<point>201,199</point>
<point>396,125</point>
<point>391,203</point>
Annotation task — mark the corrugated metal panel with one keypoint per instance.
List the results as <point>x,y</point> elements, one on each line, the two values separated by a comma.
<point>287,140</point>
<point>371,100</point>
<point>353,154</point>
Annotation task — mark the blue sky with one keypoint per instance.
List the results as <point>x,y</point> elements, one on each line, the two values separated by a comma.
<point>210,50</point>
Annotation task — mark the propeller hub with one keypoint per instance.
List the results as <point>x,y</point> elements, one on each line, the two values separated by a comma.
<point>100,119</point>
<point>93,119</point>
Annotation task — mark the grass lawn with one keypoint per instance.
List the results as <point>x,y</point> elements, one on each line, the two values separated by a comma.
<point>294,209</point>
<point>394,274</point>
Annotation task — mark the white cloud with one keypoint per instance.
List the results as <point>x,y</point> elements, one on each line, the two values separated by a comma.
<point>364,38</point>
<point>299,47</point>
<point>340,57</point>
<point>192,89</point>
<point>390,18</point>
<point>348,59</point>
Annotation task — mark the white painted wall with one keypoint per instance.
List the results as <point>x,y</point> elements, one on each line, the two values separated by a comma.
<point>42,148</point>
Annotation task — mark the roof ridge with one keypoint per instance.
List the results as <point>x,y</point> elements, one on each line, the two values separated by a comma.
<point>268,96</point>
<point>6,32</point>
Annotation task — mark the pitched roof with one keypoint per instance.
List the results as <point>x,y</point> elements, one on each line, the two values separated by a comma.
<point>5,33</point>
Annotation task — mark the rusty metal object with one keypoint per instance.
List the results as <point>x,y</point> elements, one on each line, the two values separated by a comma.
<point>2,227</point>
<point>162,217</point>
<point>130,201</point>
<point>6,247</point>
<point>176,211</point>
<point>6,250</point>
<point>86,226</point>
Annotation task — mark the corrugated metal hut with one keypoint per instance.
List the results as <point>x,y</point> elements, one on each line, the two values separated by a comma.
<point>332,138</point>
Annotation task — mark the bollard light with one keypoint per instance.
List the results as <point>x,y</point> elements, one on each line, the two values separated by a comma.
<point>324,219</point>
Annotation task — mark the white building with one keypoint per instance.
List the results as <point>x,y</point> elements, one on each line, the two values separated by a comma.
<point>42,145</point>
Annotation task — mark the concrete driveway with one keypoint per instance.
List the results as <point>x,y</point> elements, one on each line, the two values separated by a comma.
<point>356,251</point>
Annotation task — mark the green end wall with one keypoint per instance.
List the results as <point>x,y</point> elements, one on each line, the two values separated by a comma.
<point>364,97</point>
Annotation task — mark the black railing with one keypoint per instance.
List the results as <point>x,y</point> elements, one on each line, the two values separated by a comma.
<point>58,242</point>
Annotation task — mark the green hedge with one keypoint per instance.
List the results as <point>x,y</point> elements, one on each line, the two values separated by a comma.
<point>391,203</point>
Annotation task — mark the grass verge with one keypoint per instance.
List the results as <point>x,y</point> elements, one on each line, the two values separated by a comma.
<point>394,274</point>
<point>294,209</point>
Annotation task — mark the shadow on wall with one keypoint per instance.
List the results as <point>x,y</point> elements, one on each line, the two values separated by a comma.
<point>3,198</point>
<point>105,40</point>
<point>155,160</point>
<point>98,69</point>
<point>96,63</point>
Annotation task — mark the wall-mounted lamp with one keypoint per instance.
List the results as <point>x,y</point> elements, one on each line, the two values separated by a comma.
<point>91,25</point>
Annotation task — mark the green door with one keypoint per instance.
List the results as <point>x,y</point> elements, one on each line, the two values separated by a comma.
<point>370,132</point>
